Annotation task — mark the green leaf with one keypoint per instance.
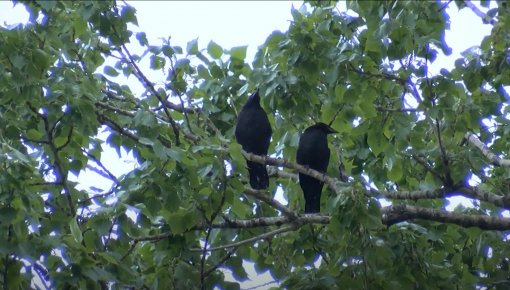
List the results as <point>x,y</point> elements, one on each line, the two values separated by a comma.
<point>18,61</point>
<point>34,134</point>
<point>142,38</point>
<point>180,221</point>
<point>339,93</point>
<point>239,52</point>
<point>372,45</point>
<point>176,154</point>
<point>20,156</point>
<point>7,214</point>
<point>192,47</point>
<point>75,230</point>
<point>40,58</point>
<point>239,208</point>
<point>367,109</point>
<point>110,71</point>
<point>80,27</point>
<point>157,62</point>
<point>128,14</point>
<point>376,142</point>
<point>59,141</point>
<point>146,141</point>
<point>160,150</point>
<point>214,50</point>
<point>395,173</point>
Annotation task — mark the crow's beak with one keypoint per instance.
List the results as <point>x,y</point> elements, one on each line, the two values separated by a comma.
<point>331,130</point>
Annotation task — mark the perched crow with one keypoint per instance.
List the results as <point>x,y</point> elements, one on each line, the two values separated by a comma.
<point>253,132</point>
<point>313,152</point>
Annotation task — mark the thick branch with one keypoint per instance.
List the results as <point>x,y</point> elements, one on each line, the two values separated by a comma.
<point>331,182</point>
<point>412,195</point>
<point>390,215</point>
<point>466,191</point>
<point>470,192</point>
<point>180,108</point>
<point>399,213</point>
<point>275,172</point>
<point>493,158</point>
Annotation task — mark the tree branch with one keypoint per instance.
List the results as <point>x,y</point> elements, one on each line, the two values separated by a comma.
<point>292,227</point>
<point>493,158</point>
<point>383,75</point>
<point>470,192</point>
<point>221,262</point>
<point>331,182</point>
<point>275,172</point>
<point>446,178</point>
<point>259,194</point>
<point>106,172</point>
<point>390,216</point>
<point>479,13</point>
<point>399,213</point>
<point>60,174</point>
<point>395,110</point>
<point>466,191</point>
<point>150,86</point>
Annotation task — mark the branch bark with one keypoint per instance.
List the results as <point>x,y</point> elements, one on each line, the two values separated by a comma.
<point>253,239</point>
<point>467,191</point>
<point>399,213</point>
<point>493,158</point>
<point>331,182</point>
<point>261,195</point>
<point>479,13</point>
<point>389,216</point>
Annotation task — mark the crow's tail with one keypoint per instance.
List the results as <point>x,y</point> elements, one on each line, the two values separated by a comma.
<point>258,175</point>
<point>312,207</point>
<point>312,189</point>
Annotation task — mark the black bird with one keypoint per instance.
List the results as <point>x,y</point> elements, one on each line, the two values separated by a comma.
<point>313,152</point>
<point>253,132</point>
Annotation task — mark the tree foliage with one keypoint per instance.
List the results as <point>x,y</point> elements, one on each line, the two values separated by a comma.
<point>184,214</point>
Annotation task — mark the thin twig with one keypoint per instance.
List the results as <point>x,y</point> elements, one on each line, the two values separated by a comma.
<point>261,195</point>
<point>59,171</point>
<point>383,75</point>
<point>202,260</point>
<point>447,179</point>
<point>221,262</point>
<point>253,239</point>
<point>149,85</point>
<point>100,164</point>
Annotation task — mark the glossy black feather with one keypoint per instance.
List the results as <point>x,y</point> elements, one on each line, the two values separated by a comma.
<point>313,152</point>
<point>253,132</point>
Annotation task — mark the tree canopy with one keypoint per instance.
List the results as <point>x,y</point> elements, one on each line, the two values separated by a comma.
<point>407,140</point>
